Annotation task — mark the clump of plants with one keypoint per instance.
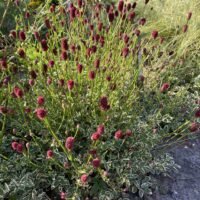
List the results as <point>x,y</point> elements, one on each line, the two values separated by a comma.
<point>79,118</point>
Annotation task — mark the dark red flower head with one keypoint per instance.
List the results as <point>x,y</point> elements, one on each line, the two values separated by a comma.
<point>142,21</point>
<point>164,87</point>
<point>118,135</point>
<point>194,127</point>
<point>154,34</point>
<point>22,35</point>
<point>100,129</point>
<point>84,178</point>
<point>3,110</point>
<point>125,52</point>
<point>197,113</point>
<point>47,23</point>
<point>63,55</point>
<point>104,103</point>
<point>64,44</point>
<point>14,145</point>
<point>21,53</point>
<point>3,63</point>
<point>189,16</point>
<point>51,63</point>
<point>13,34</point>
<point>185,28</point>
<point>92,75</point>
<point>37,35</point>
<point>79,68</point>
<point>128,133</point>
<point>41,113</point>
<point>20,148</point>
<point>69,143</point>
<point>120,5</point>
<point>40,100</point>
<point>49,154</point>
<point>111,16</point>
<point>95,136</point>
<point>96,162</point>
<point>137,32</point>
<point>131,15</point>
<point>70,84</point>
<point>80,3</point>
<point>44,45</point>
<point>17,92</point>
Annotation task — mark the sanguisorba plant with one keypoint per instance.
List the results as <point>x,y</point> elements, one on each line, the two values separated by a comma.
<point>72,102</point>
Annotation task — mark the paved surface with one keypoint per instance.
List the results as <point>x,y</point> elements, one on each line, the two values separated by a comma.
<point>184,184</point>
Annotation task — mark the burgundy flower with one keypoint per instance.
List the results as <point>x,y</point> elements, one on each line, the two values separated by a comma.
<point>27,15</point>
<point>131,15</point>
<point>164,87</point>
<point>97,63</point>
<point>72,12</point>
<point>21,53</point>
<point>61,82</point>
<point>51,63</point>
<point>70,84</point>
<point>95,136</point>
<point>3,63</point>
<point>137,32</point>
<point>120,5</point>
<point>134,5</point>
<point>197,113</point>
<point>128,133</point>
<point>49,81</point>
<point>14,145</point>
<point>96,162</point>
<point>146,1</point>
<point>80,3</point>
<point>185,28</point>
<point>33,74</point>
<point>142,21</point>
<point>111,16</point>
<point>13,34</point>
<point>22,35</point>
<point>154,34</point>
<point>3,110</point>
<point>47,23</point>
<point>189,16</point>
<point>100,26</point>
<point>100,129</point>
<point>31,82</point>
<point>64,44</point>
<point>125,51</point>
<point>194,127</point>
<point>104,103</point>
<point>44,45</point>
<point>69,143</point>
<point>40,100</point>
<point>108,78</point>
<point>92,75</point>
<point>126,38</point>
<point>20,148</point>
<point>17,92</point>
<point>52,8</point>
<point>84,178</point>
<point>63,55</point>
<point>63,196</point>
<point>27,110</point>
<point>37,35</point>
<point>79,68</point>
<point>41,113</point>
<point>118,135</point>
<point>49,154</point>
